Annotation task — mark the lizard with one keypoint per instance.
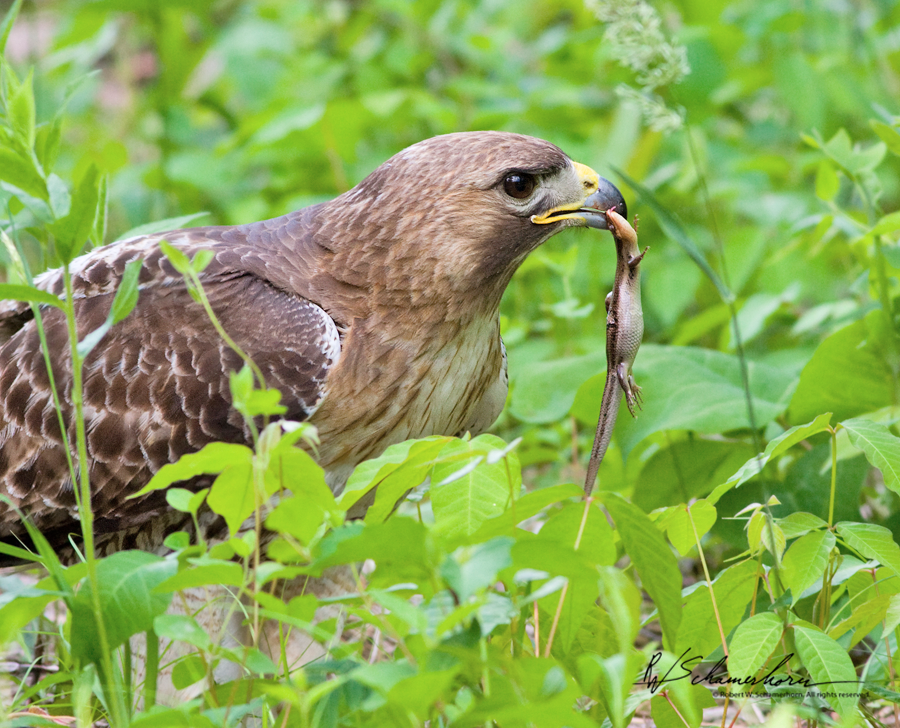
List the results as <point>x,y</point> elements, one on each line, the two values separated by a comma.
<point>624,330</point>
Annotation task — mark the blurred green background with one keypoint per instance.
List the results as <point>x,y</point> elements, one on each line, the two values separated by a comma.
<point>247,110</point>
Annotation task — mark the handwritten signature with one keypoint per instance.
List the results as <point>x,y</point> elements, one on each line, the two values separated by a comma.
<point>717,674</point>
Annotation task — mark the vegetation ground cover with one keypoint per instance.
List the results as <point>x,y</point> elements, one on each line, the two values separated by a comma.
<point>753,506</point>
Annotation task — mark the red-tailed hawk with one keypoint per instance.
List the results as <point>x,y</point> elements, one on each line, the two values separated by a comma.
<point>374,314</point>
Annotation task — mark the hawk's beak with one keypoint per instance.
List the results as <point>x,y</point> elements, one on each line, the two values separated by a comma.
<point>600,195</point>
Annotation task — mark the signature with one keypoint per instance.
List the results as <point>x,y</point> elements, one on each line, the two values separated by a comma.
<point>683,669</point>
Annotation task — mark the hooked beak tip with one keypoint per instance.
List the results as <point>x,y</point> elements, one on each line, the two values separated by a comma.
<point>606,197</point>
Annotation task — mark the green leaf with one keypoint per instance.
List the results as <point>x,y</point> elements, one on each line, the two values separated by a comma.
<point>829,665</point>
<point>872,542</point>
<point>805,561</point>
<point>20,111</point>
<point>211,459</point>
<point>7,23</point>
<point>753,642</point>
<point>827,182</point>
<point>774,448</point>
<point>524,508</point>
<point>597,540</point>
<point>185,500</point>
<point>73,231</point>
<point>544,391</point>
<point>125,583</point>
<point>225,573</point>
<point>866,617</point>
<point>18,292</point>
<point>733,589</point>
<point>182,628</point>
<point>177,258</point>
<point>232,495</point>
<point>681,532</point>
<point>848,375</point>
<point>688,388</point>
<point>399,468</point>
<point>20,171</point>
<point>653,560</point>
<point>882,448</point>
<point>188,670</point>
<point>123,304</point>
<point>886,224</point>
<point>463,498</point>
<point>468,570</point>
<point>161,226</point>
<point>888,135</point>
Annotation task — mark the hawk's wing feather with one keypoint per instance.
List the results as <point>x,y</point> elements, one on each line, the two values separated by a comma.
<point>156,386</point>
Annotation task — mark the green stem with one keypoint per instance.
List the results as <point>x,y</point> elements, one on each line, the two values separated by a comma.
<point>833,478</point>
<point>85,512</point>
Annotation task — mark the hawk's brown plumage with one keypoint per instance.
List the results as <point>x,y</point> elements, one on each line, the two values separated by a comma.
<point>374,314</point>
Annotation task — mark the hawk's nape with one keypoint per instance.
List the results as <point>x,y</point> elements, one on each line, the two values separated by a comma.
<point>374,314</point>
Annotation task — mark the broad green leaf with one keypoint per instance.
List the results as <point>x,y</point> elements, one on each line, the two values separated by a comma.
<point>827,182</point>
<point>19,292</point>
<point>21,172</point>
<point>185,500</point>
<point>652,559</point>
<point>72,231</point>
<point>829,665</point>
<point>20,111</point>
<point>161,226</point>
<point>886,224</point>
<point>401,548</point>
<point>805,561</point>
<point>544,391</point>
<point>415,457</point>
<point>597,540</point>
<point>774,448</point>
<point>889,135</point>
<point>524,508</point>
<point>881,446</point>
<point>212,572</point>
<point>125,583</point>
<point>687,388</point>
<point>177,258</point>
<point>461,503</point>
<point>866,616</point>
<point>419,693</point>
<point>16,614</point>
<point>182,628</point>
<point>680,530</point>
<point>733,589</point>
<point>753,642</point>
<point>872,542</point>
<point>614,677</point>
<point>232,495</point>
<point>188,670</point>
<point>892,617</point>
<point>469,569</point>
<point>799,523</point>
<point>211,459</point>
<point>848,375</point>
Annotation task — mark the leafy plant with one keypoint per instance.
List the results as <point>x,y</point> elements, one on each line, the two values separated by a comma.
<point>750,513</point>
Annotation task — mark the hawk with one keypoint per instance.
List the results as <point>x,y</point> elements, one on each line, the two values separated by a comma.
<point>375,314</point>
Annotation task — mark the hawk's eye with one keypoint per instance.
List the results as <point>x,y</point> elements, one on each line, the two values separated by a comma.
<point>519,185</point>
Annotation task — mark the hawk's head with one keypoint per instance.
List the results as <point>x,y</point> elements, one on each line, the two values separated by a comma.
<point>463,210</point>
